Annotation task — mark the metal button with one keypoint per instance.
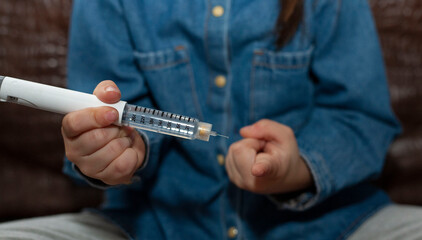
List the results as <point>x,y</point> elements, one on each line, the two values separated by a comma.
<point>220,81</point>
<point>220,159</point>
<point>232,232</point>
<point>218,11</point>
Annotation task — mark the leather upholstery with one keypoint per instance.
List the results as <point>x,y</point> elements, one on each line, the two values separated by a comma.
<point>33,46</point>
<point>399,25</point>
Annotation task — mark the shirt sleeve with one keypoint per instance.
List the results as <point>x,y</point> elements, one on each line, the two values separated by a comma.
<point>100,48</point>
<point>352,124</point>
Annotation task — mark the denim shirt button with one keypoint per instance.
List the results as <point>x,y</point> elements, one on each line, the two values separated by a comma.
<point>232,232</point>
<point>220,159</point>
<point>220,81</point>
<point>218,11</point>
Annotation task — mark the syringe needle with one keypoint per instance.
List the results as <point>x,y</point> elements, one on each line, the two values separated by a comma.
<point>219,135</point>
<point>215,134</point>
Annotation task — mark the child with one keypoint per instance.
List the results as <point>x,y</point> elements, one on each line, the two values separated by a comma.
<point>299,86</point>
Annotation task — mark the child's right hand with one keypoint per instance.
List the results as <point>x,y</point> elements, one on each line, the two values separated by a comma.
<point>98,148</point>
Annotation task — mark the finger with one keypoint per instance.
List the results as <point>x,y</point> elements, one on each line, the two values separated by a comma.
<point>93,140</point>
<point>233,172</point>
<point>240,159</point>
<point>243,153</point>
<point>270,162</point>
<point>247,143</point>
<point>138,145</point>
<point>121,169</point>
<point>267,130</point>
<point>107,91</point>
<point>263,165</point>
<point>95,163</point>
<point>75,123</point>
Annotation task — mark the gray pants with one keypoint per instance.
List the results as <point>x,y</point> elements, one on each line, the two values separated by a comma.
<point>77,226</point>
<point>398,222</point>
<point>393,222</point>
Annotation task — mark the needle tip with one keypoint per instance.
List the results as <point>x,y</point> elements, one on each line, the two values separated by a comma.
<point>215,134</point>
<point>223,136</point>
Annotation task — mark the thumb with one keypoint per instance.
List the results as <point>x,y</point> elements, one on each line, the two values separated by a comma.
<point>107,92</point>
<point>263,166</point>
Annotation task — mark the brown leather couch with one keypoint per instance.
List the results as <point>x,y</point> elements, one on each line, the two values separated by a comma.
<point>400,28</point>
<point>33,45</point>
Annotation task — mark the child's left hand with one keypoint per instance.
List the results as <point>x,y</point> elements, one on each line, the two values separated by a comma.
<point>267,160</point>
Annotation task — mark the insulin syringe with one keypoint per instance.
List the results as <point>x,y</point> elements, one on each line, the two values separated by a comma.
<point>60,100</point>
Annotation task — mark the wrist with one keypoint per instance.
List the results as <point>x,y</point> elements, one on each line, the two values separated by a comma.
<point>298,179</point>
<point>305,180</point>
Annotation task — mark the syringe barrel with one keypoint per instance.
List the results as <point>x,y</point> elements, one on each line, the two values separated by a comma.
<point>165,123</point>
<point>50,98</point>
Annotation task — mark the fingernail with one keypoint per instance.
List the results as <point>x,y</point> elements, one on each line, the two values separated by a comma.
<point>111,116</point>
<point>111,89</point>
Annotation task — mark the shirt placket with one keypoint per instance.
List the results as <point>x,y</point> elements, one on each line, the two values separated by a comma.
<point>219,77</point>
<point>217,51</point>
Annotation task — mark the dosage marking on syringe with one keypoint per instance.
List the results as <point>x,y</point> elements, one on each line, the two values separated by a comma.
<point>133,118</point>
<point>160,113</point>
<point>160,123</point>
<point>157,119</point>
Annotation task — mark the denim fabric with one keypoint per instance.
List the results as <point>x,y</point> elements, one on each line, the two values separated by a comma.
<point>328,84</point>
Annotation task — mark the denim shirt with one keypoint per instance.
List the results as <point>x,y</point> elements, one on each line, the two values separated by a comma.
<point>328,84</point>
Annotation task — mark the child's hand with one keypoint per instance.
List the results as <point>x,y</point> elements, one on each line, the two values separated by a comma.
<point>267,160</point>
<point>101,150</point>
